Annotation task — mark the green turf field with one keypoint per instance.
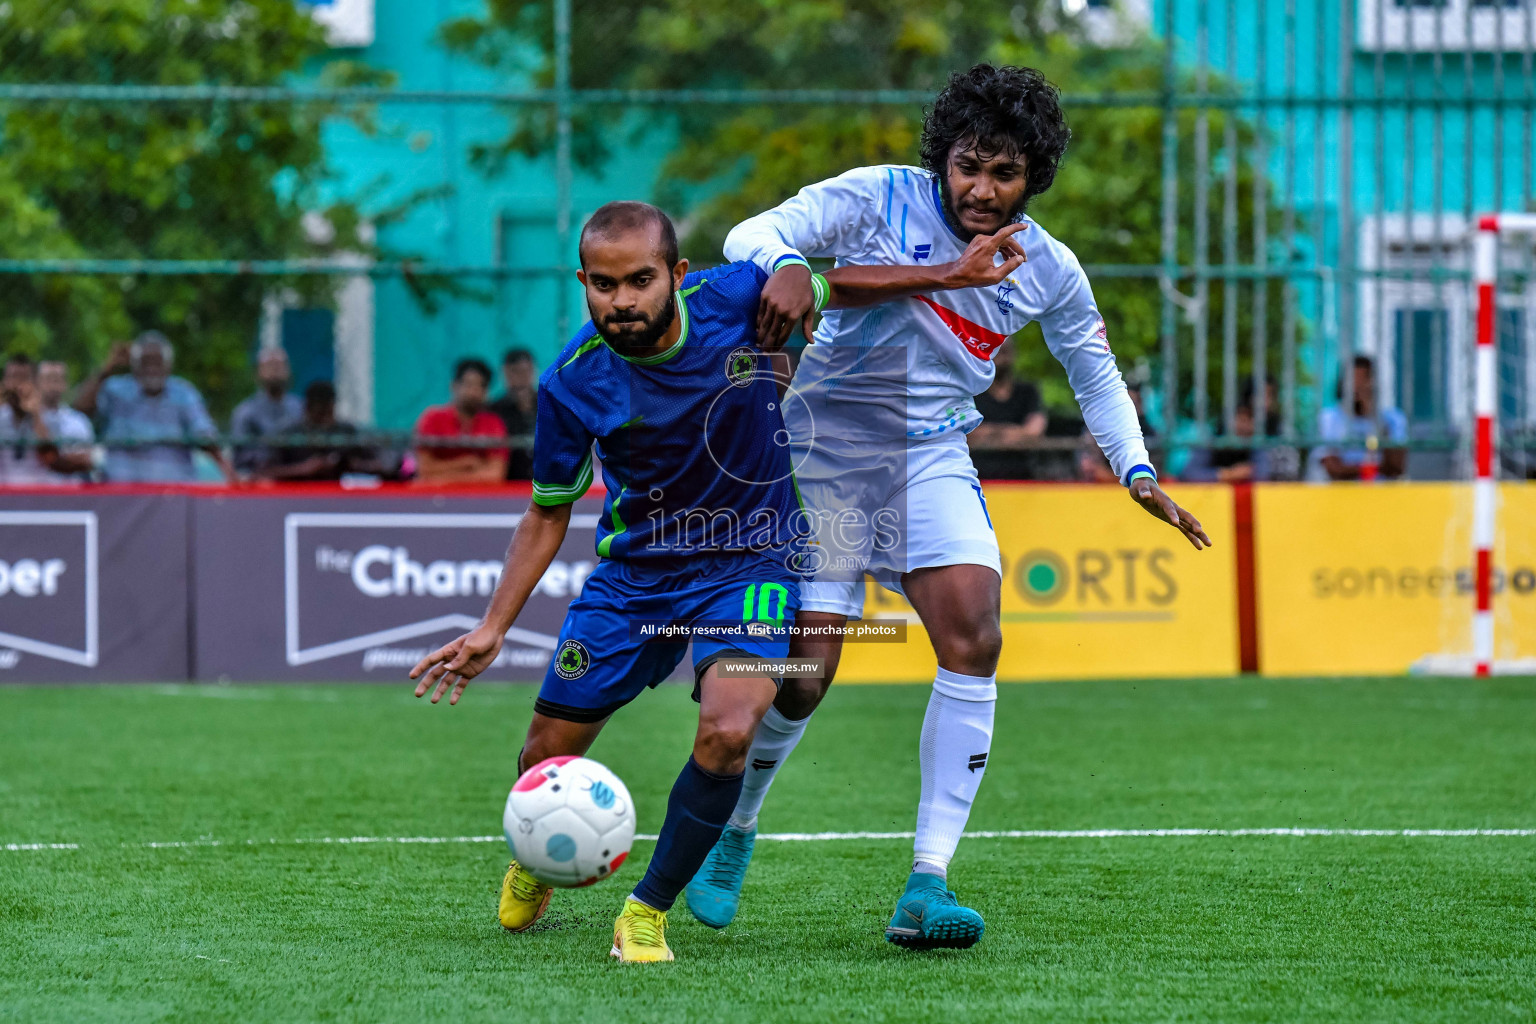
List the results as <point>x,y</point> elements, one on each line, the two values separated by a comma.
<point>1251,928</point>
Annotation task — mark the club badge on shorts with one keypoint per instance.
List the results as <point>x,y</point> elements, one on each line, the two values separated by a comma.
<point>572,661</point>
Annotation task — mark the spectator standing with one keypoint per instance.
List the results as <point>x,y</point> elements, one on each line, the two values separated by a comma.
<point>265,413</point>
<point>70,428</point>
<point>27,457</point>
<point>465,416</point>
<point>134,398</point>
<point>1353,444</point>
<point>517,407</point>
<point>31,431</point>
<point>1012,415</point>
<point>1283,461</point>
<point>1231,465</point>
<point>329,458</point>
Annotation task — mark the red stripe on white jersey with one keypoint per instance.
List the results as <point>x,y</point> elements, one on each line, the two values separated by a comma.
<point>978,340</point>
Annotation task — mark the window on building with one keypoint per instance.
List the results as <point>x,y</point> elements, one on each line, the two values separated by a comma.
<point>309,336</point>
<point>1420,347</point>
<point>1450,25</point>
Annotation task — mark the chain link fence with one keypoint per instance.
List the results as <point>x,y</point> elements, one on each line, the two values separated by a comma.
<point>1261,191</point>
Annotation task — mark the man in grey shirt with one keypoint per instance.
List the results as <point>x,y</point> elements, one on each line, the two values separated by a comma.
<point>266,413</point>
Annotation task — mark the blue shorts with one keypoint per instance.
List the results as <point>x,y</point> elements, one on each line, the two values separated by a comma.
<point>613,644</point>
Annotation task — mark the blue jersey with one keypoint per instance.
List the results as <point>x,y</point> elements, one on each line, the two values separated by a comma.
<point>693,447</point>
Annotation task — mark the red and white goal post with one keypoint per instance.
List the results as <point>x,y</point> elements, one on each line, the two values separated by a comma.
<point>1485,495</point>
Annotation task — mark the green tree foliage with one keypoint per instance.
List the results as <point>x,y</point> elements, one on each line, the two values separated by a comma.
<point>160,181</point>
<point>727,162</point>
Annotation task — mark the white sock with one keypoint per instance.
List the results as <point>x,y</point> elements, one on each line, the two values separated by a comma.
<point>957,737</point>
<point>776,737</point>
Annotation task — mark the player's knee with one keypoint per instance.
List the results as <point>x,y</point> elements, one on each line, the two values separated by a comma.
<point>722,746</point>
<point>532,753</point>
<point>546,738</point>
<point>973,651</point>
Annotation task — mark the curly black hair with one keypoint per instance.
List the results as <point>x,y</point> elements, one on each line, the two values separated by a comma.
<point>999,110</point>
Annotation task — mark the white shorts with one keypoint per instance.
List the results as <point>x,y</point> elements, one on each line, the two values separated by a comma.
<point>887,513</point>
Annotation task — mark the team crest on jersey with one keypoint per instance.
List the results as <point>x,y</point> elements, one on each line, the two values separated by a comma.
<point>1005,298</point>
<point>1103,334</point>
<point>572,661</point>
<point>741,367</point>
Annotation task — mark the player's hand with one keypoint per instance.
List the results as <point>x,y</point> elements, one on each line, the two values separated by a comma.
<point>787,300</point>
<point>457,662</point>
<point>977,267</point>
<point>1151,497</point>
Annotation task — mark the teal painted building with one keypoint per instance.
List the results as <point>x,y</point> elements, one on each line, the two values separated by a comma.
<point>459,217</point>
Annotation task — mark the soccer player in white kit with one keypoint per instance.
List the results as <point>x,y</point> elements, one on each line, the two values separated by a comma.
<point>877,415</point>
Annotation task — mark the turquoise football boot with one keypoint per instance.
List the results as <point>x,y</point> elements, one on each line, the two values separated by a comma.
<point>715,892</point>
<point>929,917</point>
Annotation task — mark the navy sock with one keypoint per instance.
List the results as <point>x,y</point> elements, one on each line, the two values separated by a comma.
<point>700,804</point>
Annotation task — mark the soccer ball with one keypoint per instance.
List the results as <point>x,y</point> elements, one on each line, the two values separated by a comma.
<point>569,821</point>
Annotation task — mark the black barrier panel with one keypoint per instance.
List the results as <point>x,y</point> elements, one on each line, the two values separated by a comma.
<point>93,587</point>
<point>359,588</point>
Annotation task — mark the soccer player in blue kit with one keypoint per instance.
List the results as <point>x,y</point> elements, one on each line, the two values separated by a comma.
<point>701,527</point>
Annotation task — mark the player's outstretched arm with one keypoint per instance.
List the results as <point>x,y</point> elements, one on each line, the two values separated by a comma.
<point>534,545</point>
<point>788,297</point>
<point>1152,498</point>
<point>977,267</point>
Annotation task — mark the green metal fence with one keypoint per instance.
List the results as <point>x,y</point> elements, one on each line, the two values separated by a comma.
<point>1316,165</point>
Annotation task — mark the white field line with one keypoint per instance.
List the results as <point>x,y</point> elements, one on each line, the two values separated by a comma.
<point>1158,833</point>
<point>825,837</point>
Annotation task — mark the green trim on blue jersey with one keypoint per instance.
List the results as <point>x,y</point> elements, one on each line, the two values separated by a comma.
<point>676,346</point>
<point>563,494</point>
<point>606,544</point>
<point>586,346</point>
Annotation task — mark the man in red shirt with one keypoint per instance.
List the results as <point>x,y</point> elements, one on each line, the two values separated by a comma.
<point>466,415</point>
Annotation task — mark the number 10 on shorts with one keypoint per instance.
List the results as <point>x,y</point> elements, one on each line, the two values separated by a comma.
<point>768,599</point>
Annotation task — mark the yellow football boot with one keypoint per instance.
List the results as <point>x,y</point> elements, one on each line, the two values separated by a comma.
<point>640,935</point>
<point>523,899</point>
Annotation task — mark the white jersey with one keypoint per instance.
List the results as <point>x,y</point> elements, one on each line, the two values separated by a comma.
<point>914,365</point>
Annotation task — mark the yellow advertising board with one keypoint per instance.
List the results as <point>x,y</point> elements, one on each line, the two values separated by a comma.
<point>1357,579</point>
<point>1093,587</point>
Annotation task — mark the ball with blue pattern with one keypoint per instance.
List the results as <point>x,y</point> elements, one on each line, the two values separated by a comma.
<point>569,821</point>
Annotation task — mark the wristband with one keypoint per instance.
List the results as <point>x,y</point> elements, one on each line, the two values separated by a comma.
<point>822,290</point>
<point>1140,473</point>
<point>790,259</point>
